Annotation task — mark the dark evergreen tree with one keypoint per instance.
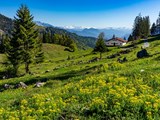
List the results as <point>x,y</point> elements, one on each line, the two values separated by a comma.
<point>28,35</point>
<point>130,38</point>
<point>137,27</point>
<point>141,27</point>
<point>23,42</point>
<point>100,45</point>
<point>145,32</point>
<point>153,28</point>
<point>148,24</point>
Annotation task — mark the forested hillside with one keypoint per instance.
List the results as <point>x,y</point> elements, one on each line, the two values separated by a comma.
<point>6,25</point>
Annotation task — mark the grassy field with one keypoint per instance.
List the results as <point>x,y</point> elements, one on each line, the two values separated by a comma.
<point>77,87</point>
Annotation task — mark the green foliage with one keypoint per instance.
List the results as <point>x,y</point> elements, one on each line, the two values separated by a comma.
<point>73,47</point>
<point>153,28</point>
<point>100,44</point>
<point>60,39</point>
<point>24,43</point>
<point>102,89</point>
<point>141,27</point>
<point>130,38</point>
<point>28,35</point>
<point>59,36</point>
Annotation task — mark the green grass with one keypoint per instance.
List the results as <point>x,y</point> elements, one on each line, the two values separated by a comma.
<point>84,88</point>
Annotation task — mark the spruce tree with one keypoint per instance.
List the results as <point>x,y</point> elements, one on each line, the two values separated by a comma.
<point>130,38</point>
<point>141,27</point>
<point>145,27</point>
<point>137,27</point>
<point>22,46</point>
<point>100,45</point>
<point>153,28</point>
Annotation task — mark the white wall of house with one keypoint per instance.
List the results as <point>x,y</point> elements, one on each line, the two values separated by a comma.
<point>114,43</point>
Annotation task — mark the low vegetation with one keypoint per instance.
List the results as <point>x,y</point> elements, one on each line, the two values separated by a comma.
<point>83,87</point>
<point>123,83</point>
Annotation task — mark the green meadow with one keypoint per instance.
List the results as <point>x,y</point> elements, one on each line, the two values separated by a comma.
<point>77,85</point>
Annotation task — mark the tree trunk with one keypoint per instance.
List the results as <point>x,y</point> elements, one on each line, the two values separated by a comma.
<point>15,67</point>
<point>27,67</point>
<point>100,55</point>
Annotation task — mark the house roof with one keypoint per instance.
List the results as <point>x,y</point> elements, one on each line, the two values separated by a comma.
<point>118,39</point>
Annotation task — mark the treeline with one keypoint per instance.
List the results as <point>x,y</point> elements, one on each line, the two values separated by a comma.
<point>141,28</point>
<point>49,35</point>
<point>61,39</point>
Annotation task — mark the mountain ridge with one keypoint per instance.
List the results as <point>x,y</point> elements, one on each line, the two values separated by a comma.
<point>109,32</point>
<point>6,25</point>
<point>93,31</point>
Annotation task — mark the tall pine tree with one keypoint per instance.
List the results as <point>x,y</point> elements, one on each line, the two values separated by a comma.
<point>130,38</point>
<point>141,27</point>
<point>100,45</point>
<point>153,28</point>
<point>137,27</point>
<point>28,35</point>
<point>22,46</point>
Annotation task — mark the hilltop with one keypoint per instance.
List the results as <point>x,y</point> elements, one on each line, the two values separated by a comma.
<point>78,86</point>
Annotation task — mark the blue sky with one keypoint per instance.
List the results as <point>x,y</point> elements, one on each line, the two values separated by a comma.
<point>86,13</point>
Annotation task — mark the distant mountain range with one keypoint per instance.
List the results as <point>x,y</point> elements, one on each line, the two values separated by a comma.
<point>43,24</point>
<point>6,26</point>
<point>82,36</point>
<point>94,32</point>
<point>109,32</point>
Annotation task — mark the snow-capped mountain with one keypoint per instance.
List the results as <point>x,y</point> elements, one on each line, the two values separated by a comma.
<point>94,32</point>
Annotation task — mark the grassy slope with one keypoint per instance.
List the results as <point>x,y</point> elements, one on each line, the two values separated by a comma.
<point>69,73</point>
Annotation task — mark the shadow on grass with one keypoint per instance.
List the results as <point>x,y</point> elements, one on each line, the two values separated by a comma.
<point>62,76</point>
